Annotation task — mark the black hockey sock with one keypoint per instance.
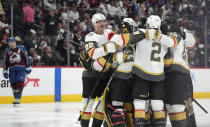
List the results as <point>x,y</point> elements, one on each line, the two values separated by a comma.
<point>179,123</point>
<point>84,123</point>
<point>140,122</point>
<point>97,123</point>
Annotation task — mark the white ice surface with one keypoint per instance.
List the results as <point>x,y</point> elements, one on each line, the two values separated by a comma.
<point>65,114</point>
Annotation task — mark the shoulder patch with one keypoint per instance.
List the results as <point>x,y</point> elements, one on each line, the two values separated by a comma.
<point>90,37</point>
<point>176,35</point>
<point>90,34</point>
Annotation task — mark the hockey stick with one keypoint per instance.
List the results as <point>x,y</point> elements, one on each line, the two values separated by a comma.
<point>105,88</point>
<point>193,99</point>
<point>199,105</point>
<point>94,89</point>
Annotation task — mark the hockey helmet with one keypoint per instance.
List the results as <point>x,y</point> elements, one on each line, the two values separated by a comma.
<point>128,25</point>
<point>11,39</point>
<point>98,17</point>
<point>129,21</point>
<point>153,22</point>
<point>172,24</point>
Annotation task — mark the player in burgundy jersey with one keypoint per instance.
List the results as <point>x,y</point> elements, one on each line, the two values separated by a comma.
<point>17,63</point>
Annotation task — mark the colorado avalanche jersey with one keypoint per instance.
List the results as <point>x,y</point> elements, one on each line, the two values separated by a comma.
<point>15,57</point>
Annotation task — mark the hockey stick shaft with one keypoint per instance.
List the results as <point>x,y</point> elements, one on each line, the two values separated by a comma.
<point>106,87</point>
<point>199,105</point>
<point>94,89</point>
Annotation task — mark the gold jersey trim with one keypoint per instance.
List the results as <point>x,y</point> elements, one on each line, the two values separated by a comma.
<point>123,71</point>
<point>150,73</point>
<point>181,65</point>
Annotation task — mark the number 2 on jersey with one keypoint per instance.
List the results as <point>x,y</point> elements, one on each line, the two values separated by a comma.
<point>155,52</point>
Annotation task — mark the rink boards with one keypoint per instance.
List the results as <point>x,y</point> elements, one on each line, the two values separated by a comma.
<point>49,84</point>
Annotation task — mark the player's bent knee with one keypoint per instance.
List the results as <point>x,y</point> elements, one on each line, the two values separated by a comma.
<point>176,108</point>
<point>139,104</point>
<point>157,105</point>
<point>17,85</point>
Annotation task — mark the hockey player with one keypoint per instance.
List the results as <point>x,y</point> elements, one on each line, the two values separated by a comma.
<point>178,80</point>
<point>17,63</point>
<point>96,48</point>
<point>118,106</point>
<point>148,70</point>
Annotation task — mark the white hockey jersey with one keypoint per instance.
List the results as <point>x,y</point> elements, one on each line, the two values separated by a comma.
<point>94,48</point>
<point>189,40</point>
<point>94,42</point>
<point>148,62</point>
<point>179,53</point>
<point>123,70</point>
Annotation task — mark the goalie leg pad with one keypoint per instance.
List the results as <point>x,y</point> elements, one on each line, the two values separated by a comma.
<point>117,116</point>
<point>114,112</point>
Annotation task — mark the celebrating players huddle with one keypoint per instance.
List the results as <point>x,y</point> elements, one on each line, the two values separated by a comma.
<point>140,76</point>
<point>126,71</point>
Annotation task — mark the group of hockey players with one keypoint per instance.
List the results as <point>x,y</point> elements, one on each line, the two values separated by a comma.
<point>126,70</point>
<point>16,66</point>
<point>140,76</point>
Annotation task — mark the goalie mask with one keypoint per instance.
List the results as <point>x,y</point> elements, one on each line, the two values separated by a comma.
<point>128,25</point>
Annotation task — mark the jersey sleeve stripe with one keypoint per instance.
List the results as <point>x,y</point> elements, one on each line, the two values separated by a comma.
<point>110,35</point>
<point>92,52</point>
<point>99,63</point>
<point>123,39</point>
<point>175,42</point>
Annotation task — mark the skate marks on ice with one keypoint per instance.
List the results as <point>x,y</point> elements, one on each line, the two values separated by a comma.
<point>65,115</point>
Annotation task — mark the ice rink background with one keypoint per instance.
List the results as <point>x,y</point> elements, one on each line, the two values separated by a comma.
<point>63,114</point>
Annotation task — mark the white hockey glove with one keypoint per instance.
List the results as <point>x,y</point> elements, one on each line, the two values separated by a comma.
<point>152,34</point>
<point>120,57</point>
<point>110,47</point>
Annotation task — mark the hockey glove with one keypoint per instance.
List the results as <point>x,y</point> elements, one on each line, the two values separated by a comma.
<point>120,57</point>
<point>110,47</point>
<point>28,70</point>
<point>6,76</point>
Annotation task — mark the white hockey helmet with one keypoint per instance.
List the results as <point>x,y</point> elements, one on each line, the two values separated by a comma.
<point>97,17</point>
<point>153,22</point>
<point>129,21</point>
